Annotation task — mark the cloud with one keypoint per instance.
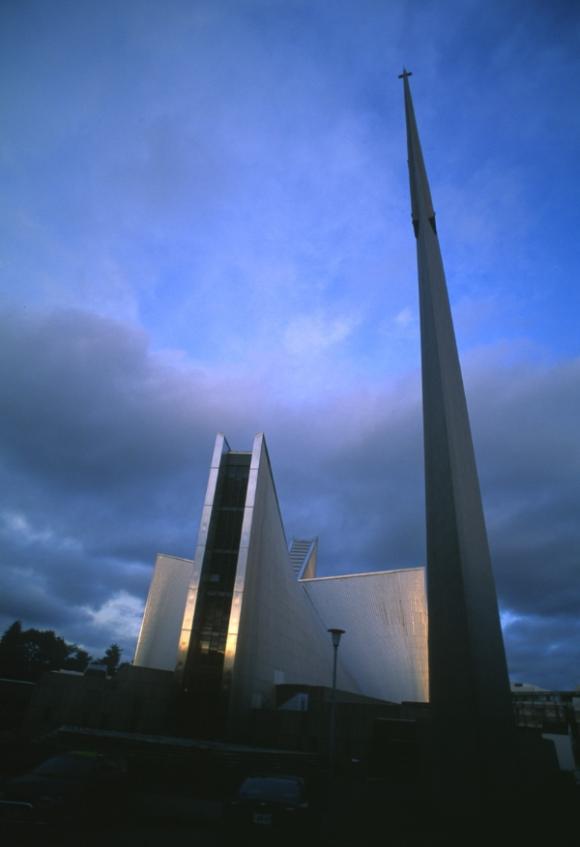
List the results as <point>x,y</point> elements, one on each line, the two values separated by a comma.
<point>404,318</point>
<point>106,443</point>
<point>214,234</point>
<point>310,334</point>
<point>119,616</point>
<point>16,524</point>
<point>540,650</point>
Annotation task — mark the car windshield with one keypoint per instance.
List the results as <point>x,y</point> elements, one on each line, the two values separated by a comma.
<point>271,788</point>
<point>69,765</point>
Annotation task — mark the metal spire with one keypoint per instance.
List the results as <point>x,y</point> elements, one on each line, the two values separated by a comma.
<point>468,680</point>
<point>421,203</point>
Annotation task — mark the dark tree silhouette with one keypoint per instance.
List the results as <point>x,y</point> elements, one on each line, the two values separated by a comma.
<point>28,653</point>
<point>12,652</point>
<point>112,658</point>
<point>77,660</point>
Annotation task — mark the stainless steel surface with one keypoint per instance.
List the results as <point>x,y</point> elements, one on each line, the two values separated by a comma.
<point>385,615</point>
<point>158,642</point>
<point>221,447</point>
<point>278,624</point>
<point>469,684</point>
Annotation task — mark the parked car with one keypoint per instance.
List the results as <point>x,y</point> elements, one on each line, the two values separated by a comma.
<point>263,802</point>
<point>64,788</point>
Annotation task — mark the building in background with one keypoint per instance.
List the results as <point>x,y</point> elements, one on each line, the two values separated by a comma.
<point>255,616</point>
<point>556,714</point>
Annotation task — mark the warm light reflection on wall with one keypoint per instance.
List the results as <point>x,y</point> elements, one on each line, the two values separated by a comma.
<point>241,567</point>
<point>187,624</point>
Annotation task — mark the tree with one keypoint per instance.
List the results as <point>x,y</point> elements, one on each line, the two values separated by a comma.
<point>12,635</point>
<point>12,651</point>
<point>28,653</point>
<point>112,658</point>
<point>78,660</point>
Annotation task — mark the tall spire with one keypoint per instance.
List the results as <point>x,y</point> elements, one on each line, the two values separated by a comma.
<point>468,680</point>
<point>421,203</point>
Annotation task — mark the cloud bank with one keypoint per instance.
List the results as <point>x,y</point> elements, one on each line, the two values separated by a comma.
<point>206,225</point>
<point>105,451</point>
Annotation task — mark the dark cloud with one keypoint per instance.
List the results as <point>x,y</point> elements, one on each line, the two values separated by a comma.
<point>546,644</point>
<point>364,494</point>
<point>102,462</point>
<point>87,405</point>
<point>105,453</point>
<point>231,178</point>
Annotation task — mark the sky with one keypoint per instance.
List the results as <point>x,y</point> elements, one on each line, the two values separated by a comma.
<point>205,226</point>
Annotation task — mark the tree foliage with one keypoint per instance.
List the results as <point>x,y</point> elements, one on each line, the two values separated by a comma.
<point>28,653</point>
<point>112,658</point>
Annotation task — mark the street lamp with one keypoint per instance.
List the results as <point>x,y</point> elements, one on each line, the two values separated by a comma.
<point>336,635</point>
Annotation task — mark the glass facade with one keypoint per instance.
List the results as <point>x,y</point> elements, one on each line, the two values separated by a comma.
<point>203,675</point>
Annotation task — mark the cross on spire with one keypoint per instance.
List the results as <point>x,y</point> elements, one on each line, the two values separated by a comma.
<point>405,74</point>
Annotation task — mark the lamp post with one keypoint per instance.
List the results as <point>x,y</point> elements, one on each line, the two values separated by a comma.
<point>335,635</point>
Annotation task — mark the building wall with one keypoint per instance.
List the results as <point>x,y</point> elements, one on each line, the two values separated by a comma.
<point>556,714</point>
<point>274,629</point>
<point>15,697</point>
<point>221,448</point>
<point>158,640</point>
<point>384,616</point>
<point>281,638</point>
<point>133,700</point>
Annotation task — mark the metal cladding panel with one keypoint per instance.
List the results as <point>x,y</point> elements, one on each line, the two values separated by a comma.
<point>242,564</point>
<point>186,624</point>
<point>275,633</point>
<point>468,671</point>
<point>469,684</point>
<point>221,447</point>
<point>157,646</point>
<point>204,527</point>
<point>384,616</point>
<point>303,557</point>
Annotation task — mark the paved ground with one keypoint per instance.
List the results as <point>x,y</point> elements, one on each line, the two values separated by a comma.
<point>353,814</point>
<point>157,820</point>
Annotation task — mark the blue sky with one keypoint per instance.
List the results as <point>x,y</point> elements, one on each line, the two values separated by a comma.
<point>206,226</point>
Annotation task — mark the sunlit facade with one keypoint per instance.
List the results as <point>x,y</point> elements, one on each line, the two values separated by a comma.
<point>254,615</point>
<point>164,610</point>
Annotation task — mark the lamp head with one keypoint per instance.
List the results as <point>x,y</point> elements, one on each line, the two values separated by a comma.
<point>336,635</point>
